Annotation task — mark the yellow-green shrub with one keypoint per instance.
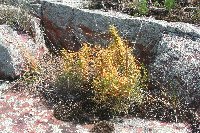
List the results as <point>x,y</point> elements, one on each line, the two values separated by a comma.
<point>113,72</point>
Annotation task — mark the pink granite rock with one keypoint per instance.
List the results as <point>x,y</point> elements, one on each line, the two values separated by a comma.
<point>16,50</point>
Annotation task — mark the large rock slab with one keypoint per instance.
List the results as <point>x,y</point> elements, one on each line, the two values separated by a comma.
<point>16,50</point>
<point>170,50</point>
<point>20,18</point>
<point>176,66</point>
<point>16,46</point>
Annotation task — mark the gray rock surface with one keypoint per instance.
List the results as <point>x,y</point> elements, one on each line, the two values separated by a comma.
<point>170,50</point>
<point>176,66</point>
<point>135,125</point>
<point>15,50</point>
<point>11,14</point>
<point>4,85</point>
<point>15,44</point>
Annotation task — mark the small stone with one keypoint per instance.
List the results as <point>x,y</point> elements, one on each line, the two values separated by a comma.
<point>103,127</point>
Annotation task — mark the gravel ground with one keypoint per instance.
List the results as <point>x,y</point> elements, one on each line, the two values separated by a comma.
<point>21,112</point>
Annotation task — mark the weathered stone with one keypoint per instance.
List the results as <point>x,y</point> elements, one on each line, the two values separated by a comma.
<point>4,85</point>
<point>158,11</point>
<point>176,66</point>
<point>16,50</point>
<point>13,16</point>
<point>15,44</point>
<point>190,9</point>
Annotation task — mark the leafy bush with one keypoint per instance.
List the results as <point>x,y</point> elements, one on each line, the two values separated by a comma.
<point>157,4</point>
<point>169,4</point>
<point>196,16</point>
<point>113,73</point>
<point>142,7</point>
<point>133,4</point>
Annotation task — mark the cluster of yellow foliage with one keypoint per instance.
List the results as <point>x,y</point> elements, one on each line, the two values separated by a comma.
<point>113,72</point>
